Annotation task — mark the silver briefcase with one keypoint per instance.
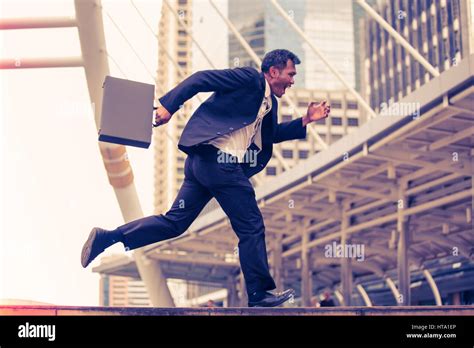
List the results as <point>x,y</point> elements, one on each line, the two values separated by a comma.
<point>127,112</point>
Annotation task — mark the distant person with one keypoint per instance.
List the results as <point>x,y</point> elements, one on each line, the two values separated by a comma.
<point>327,300</point>
<point>211,304</point>
<point>228,139</point>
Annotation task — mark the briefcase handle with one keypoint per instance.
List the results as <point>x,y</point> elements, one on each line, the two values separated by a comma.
<point>154,123</point>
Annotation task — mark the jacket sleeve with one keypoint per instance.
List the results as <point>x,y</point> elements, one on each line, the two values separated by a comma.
<point>208,81</point>
<point>289,131</point>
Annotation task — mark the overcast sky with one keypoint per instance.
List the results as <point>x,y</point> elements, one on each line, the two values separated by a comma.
<point>54,186</point>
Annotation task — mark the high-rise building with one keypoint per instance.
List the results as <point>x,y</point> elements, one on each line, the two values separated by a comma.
<point>118,291</point>
<point>177,44</point>
<point>438,29</point>
<point>359,15</point>
<point>327,23</point>
<point>329,26</point>
<point>121,291</point>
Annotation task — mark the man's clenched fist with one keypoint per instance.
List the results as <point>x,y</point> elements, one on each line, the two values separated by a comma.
<point>162,116</point>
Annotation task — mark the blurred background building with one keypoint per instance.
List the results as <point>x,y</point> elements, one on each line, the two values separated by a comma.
<point>118,291</point>
<point>328,24</point>
<point>174,64</point>
<point>438,29</point>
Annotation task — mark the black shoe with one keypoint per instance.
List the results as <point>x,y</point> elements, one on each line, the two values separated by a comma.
<point>272,300</point>
<point>95,245</point>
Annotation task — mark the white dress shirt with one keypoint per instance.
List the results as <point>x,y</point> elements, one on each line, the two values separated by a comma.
<point>237,142</point>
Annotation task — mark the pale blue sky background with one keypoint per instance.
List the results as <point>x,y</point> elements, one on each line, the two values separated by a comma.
<point>54,186</point>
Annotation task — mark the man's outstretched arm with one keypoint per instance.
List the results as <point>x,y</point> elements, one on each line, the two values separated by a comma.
<point>289,131</point>
<point>204,81</point>
<point>296,129</point>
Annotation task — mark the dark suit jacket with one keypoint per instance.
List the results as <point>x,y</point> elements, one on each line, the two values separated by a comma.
<point>237,97</point>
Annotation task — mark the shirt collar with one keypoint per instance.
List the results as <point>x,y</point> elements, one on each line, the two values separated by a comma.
<point>265,85</point>
<point>267,89</point>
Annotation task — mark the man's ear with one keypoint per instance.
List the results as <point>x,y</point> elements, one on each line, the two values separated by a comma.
<point>274,72</point>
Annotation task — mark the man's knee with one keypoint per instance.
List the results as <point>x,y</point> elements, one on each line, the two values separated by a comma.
<point>252,229</point>
<point>177,224</point>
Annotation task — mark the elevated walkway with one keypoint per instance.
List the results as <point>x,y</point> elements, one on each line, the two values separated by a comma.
<point>290,311</point>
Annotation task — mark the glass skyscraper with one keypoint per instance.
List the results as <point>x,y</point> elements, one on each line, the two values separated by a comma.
<point>437,29</point>
<point>327,23</point>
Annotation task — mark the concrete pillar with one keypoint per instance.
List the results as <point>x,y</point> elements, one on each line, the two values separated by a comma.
<point>306,291</point>
<point>154,280</point>
<point>402,252</point>
<point>232,298</point>
<point>346,263</point>
<point>243,291</point>
<point>277,262</point>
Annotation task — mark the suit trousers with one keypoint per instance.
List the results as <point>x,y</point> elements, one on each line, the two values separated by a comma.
<point>205,178</point>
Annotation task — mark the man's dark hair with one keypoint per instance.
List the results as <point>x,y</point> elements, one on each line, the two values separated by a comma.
<point>278,59</point>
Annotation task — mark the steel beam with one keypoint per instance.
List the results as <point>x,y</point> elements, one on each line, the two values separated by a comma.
<point>394,289</point>
<point>364,295</point>
<point>193,259</point>
<point>339,297</point>
<point>40,62</point>
<point>433,286</point>
<point>37,23</point>
<point>398,38</point>
<point>445,242</point>
<point>402,251</point>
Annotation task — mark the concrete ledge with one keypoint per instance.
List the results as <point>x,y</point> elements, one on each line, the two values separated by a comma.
<point>295,311</point>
